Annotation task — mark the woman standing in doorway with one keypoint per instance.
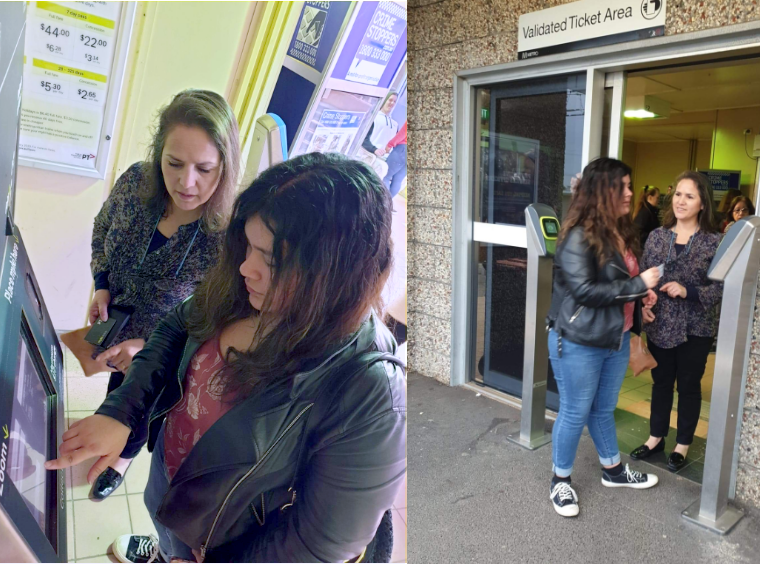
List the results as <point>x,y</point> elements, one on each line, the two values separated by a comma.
<point>646,217</point>
<point>596,303</point>
<point>682,325</point>
<point>160,231</point>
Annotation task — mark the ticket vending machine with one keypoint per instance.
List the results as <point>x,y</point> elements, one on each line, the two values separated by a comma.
<point>32,499</point>
<point>736,264</point>
<point>542,228</point>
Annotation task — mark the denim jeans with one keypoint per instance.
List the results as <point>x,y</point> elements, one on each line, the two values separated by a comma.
<point>589,381</point>
<point>158,484</point>
<point>396,169</point>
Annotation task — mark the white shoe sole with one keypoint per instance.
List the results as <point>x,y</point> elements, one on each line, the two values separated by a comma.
<point>568,510</point>
<point>117,553</point>
<point>650,483</point>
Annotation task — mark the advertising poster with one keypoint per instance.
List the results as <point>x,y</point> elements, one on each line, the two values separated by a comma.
<point>68,58</point>
<point>335,131</point>
<point>381,38</point>
<point>316,32</point>
<point>722,181</point>
<point>514,184</point>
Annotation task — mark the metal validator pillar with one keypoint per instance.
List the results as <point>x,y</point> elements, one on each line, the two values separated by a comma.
<point>543,229</point>
<point>735,264</point>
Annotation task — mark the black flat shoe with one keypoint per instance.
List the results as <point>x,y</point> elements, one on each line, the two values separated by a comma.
<point>642,452</point>
<point>676,461</point>
<point>105,484</point>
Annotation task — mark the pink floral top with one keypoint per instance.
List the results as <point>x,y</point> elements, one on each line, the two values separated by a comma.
<point>200,408</point>
<point>629,307</point>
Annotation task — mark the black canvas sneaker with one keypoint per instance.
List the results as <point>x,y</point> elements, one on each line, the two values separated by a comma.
<point>565,499</point>
<point>136,548</point>
<point>629,479</point>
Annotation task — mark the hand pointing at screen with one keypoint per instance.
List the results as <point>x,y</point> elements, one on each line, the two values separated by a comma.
<point>96,435</point>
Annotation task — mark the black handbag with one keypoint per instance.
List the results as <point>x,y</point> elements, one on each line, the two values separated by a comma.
<point>380,547</point>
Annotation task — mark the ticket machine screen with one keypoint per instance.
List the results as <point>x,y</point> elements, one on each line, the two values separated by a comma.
<point>28,440</point>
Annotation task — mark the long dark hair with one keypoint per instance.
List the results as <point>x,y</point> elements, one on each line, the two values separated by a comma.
<point>648,192</point>
<point>594,207</point>
<point>706,217</point>
<point>331,221</point>
<point>209,111</point>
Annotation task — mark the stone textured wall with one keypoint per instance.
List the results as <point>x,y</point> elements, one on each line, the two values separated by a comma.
<point>449,35</point>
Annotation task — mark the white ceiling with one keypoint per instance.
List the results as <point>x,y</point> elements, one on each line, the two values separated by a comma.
<point>694,95</point>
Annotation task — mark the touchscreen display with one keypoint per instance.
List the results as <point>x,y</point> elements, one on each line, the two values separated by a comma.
<point>28,441</point>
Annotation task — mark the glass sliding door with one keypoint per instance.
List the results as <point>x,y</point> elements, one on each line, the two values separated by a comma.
<point>529,149</point>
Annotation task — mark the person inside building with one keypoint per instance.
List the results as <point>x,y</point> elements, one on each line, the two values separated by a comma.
<point>722,216</point>
<point>740,208</point>
<point>646,217</point>
<point>596,303</point>
<point>383,128</point>
<point>159,232</point>
<point>396,150</point>
<point>278,429</point>
<point>682,325</point>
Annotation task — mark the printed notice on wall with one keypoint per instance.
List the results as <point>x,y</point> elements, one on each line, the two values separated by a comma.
<point>335,131</point>
<point>383,35</point>
<point>67,64</point>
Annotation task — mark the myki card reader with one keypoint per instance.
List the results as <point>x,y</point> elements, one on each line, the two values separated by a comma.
<point>543,223</point>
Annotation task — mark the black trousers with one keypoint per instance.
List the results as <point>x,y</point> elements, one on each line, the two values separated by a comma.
<point>684,366</point>
<point>140,436</point>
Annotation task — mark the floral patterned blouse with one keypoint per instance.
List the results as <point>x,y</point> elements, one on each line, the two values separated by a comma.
<point>152,284</point>
<point>678,318</point>
<point>200,408</point>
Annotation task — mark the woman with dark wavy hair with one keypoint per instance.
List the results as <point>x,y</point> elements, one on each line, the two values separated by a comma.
<point>598,292</point>
<point>278,420</point>
<point>159,232</point>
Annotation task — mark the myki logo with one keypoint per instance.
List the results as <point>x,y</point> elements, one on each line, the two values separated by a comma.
<point>650,9</point>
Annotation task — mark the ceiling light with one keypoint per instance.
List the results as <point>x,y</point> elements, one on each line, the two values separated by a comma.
<point>640,114</point>
<point>646,107</point>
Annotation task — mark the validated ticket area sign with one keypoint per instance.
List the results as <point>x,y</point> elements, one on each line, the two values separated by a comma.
<point>588,23</point>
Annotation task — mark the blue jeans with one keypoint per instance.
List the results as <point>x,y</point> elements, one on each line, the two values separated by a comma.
<point>158,484</point>
<point>396,169</point>
<point>589,381</point>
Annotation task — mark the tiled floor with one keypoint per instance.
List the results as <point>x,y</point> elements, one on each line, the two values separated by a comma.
<point>92,527</point>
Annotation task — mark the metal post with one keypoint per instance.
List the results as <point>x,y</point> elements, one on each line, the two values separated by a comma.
<point>536,359</point>
<point>737,267</point>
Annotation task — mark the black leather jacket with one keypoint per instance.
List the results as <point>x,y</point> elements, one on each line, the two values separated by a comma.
<point>587,300</point>
<point>242,468</point>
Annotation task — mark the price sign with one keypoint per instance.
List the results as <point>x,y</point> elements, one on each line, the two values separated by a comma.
<point>67,69</point>
<point>51,87</point>
<point>88,95</point>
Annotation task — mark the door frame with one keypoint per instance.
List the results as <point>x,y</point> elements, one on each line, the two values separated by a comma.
<point>604,67</point>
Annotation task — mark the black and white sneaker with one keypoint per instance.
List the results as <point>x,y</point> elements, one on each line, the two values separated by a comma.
<point>564,499</point>
<point>136,548</point>
<point>629,479</point>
